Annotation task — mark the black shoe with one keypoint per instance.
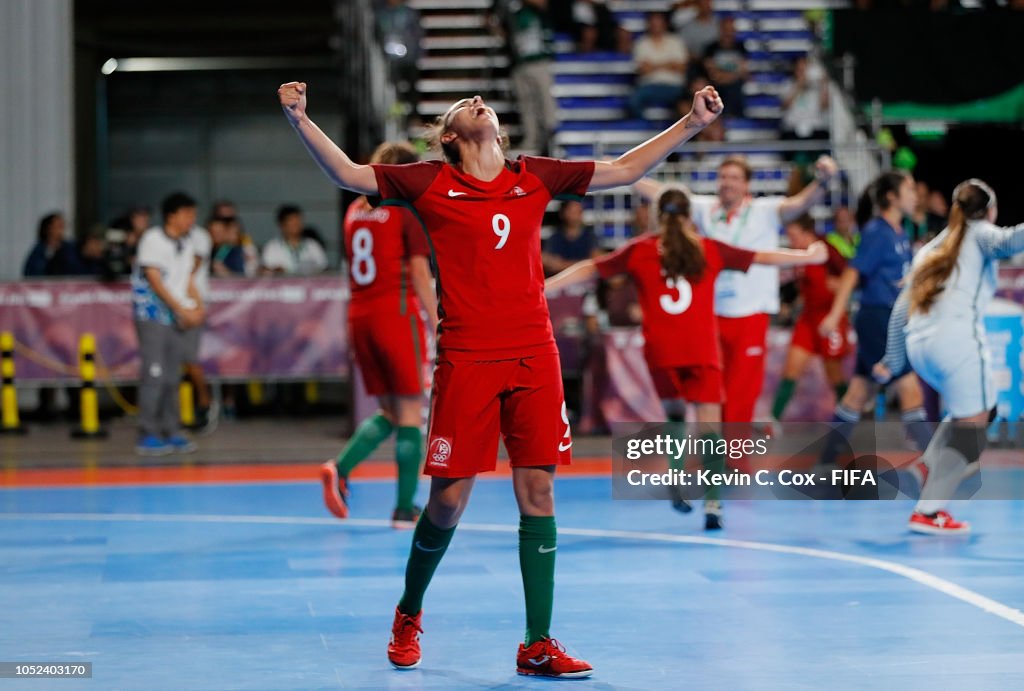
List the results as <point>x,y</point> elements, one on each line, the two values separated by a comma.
<point>678,502</point>
<point>712,514</point>
<point>403,519</point>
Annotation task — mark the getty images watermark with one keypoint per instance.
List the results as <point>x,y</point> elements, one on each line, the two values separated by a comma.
<point>673,448</point>
<point>670,460</point>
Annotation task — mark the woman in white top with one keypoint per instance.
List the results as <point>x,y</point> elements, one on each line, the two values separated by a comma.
<point>941,311</point>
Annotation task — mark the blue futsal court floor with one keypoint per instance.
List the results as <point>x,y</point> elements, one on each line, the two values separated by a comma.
<point>253,586</point>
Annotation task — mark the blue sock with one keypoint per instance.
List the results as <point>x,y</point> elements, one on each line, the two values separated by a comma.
<point>915,421</point>
<point>843,422</point>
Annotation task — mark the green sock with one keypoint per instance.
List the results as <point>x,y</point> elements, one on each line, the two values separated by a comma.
<point>408,452</point>
<point>782,397</point>
<point>840,390</point>
<point>428,546</point>
<point>715,462</point>
<point>368,436</point>
<point>537,543</point>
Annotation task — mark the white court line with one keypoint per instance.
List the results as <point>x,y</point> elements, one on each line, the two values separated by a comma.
<point>1014,616</point>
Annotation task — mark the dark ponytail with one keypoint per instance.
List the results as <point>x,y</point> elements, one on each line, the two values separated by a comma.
<point>682,253</point>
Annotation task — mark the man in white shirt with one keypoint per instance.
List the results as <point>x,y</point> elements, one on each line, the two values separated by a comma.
<point>292,254</point>
<point>660,59</point>
<point>164,303</point>
<point>744,302</point>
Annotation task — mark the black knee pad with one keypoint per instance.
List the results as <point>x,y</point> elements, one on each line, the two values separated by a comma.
<point>969,440</point>
<point>677,417</point>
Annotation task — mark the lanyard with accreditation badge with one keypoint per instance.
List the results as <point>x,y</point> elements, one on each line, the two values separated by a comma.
<point>725,286</point>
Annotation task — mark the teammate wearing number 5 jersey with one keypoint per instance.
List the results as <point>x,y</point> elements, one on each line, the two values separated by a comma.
<point>389,279</point>
<point>675,272</point>
<point>497,367</point>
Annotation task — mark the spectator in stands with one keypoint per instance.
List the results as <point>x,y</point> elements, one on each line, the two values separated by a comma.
<point>292,254</point>
<point>399,33</point>
<point>228,259</point>
<point>594,28</point>
<point>92,254</point>
<point>52,255</point>
<point>122,239</point>
<point>805,102</point>
<point>697,27</point>
<point>660,59</point>
<point>526,25</point>
<point>164,302</point>
<point>924,224</point>
<point>938,208</point>
<point>726,63</point>
<point>228,209</point>
<point>571,242</point>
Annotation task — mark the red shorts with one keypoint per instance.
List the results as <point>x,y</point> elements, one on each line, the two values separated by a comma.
<point>473,402</point>
<point>835,345</point>
<point>390,352</point>
<point>694,384</point>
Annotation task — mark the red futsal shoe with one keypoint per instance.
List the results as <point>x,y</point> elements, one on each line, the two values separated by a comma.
<point>547,658</point>
<point>404,647</point>
<point>938,523</point>
<point>335,490</point>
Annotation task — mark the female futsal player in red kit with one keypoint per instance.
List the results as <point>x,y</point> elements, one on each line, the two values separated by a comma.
<point>497,366</point>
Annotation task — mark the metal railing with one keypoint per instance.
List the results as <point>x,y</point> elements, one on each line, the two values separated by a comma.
<point>368,94</point>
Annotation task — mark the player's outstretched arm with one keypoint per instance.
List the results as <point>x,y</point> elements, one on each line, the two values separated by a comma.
<point>791,207</point>
<point>577,273</point>
<point>336,165</point>
<point>1000,243</point>
<point>635,163</point>
<point>817,253</point>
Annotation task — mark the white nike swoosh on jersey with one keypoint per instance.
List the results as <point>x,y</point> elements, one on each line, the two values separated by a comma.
<point>427,549</point>
<point>453,193</point>
<point>565,447</point>
<point>544,550</point>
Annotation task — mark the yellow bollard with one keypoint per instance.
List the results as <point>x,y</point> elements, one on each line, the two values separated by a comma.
<point>88,401</point>
<point>312,392</point>
<point>255,391</point>
<point>186,400</point>
<point>10,423</point>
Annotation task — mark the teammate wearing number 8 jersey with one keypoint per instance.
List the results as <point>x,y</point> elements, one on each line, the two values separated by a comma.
<point>674,272</point>
<point>497,367</point>
<point>389,278</point>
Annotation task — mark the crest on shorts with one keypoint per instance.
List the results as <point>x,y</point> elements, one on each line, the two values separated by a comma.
<point>439,452</point>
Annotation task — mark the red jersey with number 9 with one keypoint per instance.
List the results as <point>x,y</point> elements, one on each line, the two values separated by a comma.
<point>378,245</point>
<point>486,241</point>
<point>680,328</point>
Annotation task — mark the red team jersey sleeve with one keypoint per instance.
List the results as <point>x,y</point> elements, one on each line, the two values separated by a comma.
<point>406,181</point>
<point>615,263</point>
<point>562,178</point>
<point>732,258</point>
